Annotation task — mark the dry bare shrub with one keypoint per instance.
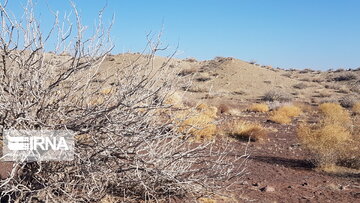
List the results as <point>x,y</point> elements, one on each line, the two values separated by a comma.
<point>323,93</point>
<point>288,75</point>
<point>355,86</point>
<point>259,108</point>
<point>187,71</point>
<point>347,102</point>
<point>284,114</point>
<point>191,60</point>
<point>273,95</point>
<point>195,88</point>
<point>224,108</point>
<point>345,77</point>
<point>300,86</point>
<point>123,149</point>
<point>318,80</point>
<point>244,130</point>
<point>203,79</point>
<point>305,79</point>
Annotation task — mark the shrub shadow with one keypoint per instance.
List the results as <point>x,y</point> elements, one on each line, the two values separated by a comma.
<point>289,163</point>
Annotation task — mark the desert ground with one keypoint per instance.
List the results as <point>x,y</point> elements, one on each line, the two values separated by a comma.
<point>279,168</point>
<point>284,163</point>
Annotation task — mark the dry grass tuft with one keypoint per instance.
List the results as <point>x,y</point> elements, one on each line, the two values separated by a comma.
<point>356,108</point>
<point>326,141</point>
<point>106,90</point>
<point>334,113</point>
<point>259,108</point>
<point>244,130</point>
<point>284,114</point>
<point>280,118</point>
<point>206,200</point>
<point>333,141</point>
<point>199,122</point>
<point>175,100</point>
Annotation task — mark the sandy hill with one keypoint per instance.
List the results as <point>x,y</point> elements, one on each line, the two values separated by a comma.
<point>233,80</point>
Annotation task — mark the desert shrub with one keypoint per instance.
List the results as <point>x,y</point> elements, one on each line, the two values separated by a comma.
<point>187,71</point>
<point>259,108</point>
<point>339,70</point>
<point>318,80</point>
<point>174,100</point>
<point>244,130</point>
<point>198,122</point>
<point>224,108</point>
<point>252,62</point>
<point>345,77</point>
<point>305,79</point>
<point>288,75</point>
<point>280,118</point>
<point>356,108</point>
<point>276,96</point>
<point>327,142</point>
<point>347,102</point>
<point>300,86</point>
<point>334,113</point>
<point>191,60</point>
<point>203,79</point>
<point>330,141</point>
<point>284,114</point>
<point>355,87</point>
<point>122,149</point>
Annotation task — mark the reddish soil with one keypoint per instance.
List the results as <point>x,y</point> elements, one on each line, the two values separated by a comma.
<point>279,171</point>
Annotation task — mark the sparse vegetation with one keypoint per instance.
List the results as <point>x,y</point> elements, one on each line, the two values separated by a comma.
<point>284,114</point>
<point>187,71</point>
<point>125,149</point>
<point>245,131</point>
<point>259,108</point>
<point>347,102</point>
<point>200,124</point>
<point>334,113</point>
<point>276,96</point>
<point>356,108</point>
<point>345,76</point>
<point>333,140</point>
<point>300,86</point>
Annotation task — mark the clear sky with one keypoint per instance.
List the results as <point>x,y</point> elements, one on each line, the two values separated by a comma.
<point>317,34</point>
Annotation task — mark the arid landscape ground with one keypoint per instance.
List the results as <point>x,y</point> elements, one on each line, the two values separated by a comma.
<point>247,100</point>
<point>279,168</point>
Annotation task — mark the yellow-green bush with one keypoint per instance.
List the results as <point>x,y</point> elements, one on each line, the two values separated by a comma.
<point>259,108</point>
<point>356,108</point>
<point>333,140</point>
<point>245,130</point>
<point>198,122</point>
<point>284,114</point>
<point>334,113</point>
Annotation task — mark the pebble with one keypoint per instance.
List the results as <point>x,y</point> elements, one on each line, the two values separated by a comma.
<point>268,189</point>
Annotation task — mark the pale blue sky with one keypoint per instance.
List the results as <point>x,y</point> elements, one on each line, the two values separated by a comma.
<point>317,34</point>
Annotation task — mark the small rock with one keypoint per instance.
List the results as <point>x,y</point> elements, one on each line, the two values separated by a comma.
<point>268,189</point>
<point>255,184</point>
